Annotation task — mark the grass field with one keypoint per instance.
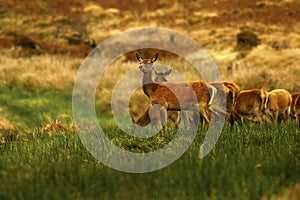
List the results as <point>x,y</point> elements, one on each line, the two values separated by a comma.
<point>30,110</point>
<point>42,45</point>
<point>41,156</point>
<point>247,163</point>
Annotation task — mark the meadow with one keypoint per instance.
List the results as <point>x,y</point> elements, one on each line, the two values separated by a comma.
<point>247,163</point>
<point>43,44</point>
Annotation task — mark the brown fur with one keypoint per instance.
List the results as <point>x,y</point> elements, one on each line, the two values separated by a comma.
<point>152,115</point>
<point>295,107</point>
<point>145,119</point>
<point>174,116</point>
<point>165,94</point>
<point>279,105</point>
<point>250,105</point>
<point>232,86</point>
<point>228,90</point>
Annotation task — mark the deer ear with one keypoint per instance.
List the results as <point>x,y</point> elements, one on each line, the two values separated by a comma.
<point>169,71</point>
<point>138,57</point>
<point>154,58</point>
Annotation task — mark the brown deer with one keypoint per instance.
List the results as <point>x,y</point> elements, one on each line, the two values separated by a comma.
<point>249,105</point>
<point>279,103</point>
<point>176,96</point>
<point>174,116</point>
<point>295,108</point>
<point>225,96</point>
<point>152,116</point>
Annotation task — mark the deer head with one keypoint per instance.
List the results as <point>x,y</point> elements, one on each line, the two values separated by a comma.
<point>146,64</point>
<point>161,76</point>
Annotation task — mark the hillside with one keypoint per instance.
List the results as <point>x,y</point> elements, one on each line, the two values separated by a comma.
<point>70,26</point>
<point>42,43</point>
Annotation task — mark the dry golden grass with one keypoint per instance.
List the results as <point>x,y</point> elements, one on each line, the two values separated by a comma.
<point>5,123</point>
<point>263,67</point>
<point>213,25</point>
<point>63,124</point>
<point>39,74</point>
<point>269,69</point>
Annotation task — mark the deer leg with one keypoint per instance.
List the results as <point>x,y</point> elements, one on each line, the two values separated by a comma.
<point>163,118</point>
<point>271,116</point>
<point>144,120</point>
<point>201,119</point>
<point>178,119</point>
<point>196,118</point>
<point>275,117</point>
<point>259,115</point>
<point>231,120</point>
<point>204,113</point>
<point>174,116</point>
<point>239,119</point>
<point>286,114</point>
<point>154,114</point>
<point>185,118</point>
<point>162,111</point>
<point>196,115</point>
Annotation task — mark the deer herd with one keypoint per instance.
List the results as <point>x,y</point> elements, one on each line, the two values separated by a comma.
<point>174,100</point>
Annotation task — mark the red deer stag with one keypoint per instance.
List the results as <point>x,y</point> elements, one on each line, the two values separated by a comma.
<point>176,96</point>
<point>279,103</point>
<point>249,105</point>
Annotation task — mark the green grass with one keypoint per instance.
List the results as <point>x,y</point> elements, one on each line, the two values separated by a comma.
<point>30,110</point>
<point>247,163</point>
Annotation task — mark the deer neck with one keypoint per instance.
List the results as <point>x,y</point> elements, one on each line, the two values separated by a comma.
<point>148,84</point>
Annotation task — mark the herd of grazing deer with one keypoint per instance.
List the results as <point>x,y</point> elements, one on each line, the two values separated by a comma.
<point>174,100</point>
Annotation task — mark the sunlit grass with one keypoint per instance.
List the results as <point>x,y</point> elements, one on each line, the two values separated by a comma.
<point>30,110</point>
<point>53,74</point>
